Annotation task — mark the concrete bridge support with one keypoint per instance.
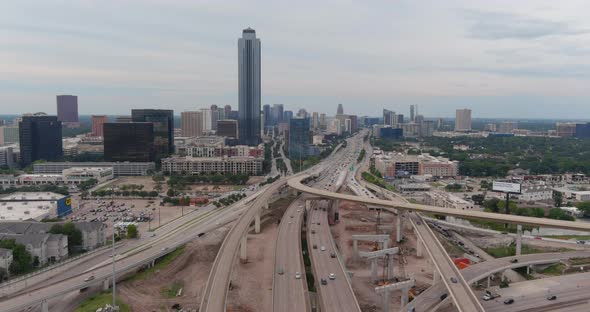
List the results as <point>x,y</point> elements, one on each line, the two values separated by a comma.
<point>399,233</point>
<point>419,248</point>
<point>44,306</point>
<point>518,240</point>
<point>105,284</point>
<point>257,223</point>
<point>243,248</point>
<point>435,276</point>
<point>387,289</point>
<point>355,250</point>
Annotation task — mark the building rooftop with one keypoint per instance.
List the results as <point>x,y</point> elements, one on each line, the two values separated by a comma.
<point>25,210</point>
<point>32,196</point>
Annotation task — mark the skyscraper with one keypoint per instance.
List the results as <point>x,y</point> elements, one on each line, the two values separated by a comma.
<point>97,122</point>
<point>299,138</point>
<point>323,123</point>
<point>191,124</point>
<point>40,138</point>
<point>214,116</point>
<point>129,141</point>
<point>276,114</point>
<point>249,63</point>
<point>267,114</point>
<point>206,119</point>
<point>287,115</point>
<point>412,113</point>
<point>315,120</point>
<point>340,110</point>
<point>388,117</point>
<point>463,120</point>
<point>67,108</point>
<point>163,121</point>
<point>227,111</point>
<point>227,128</point>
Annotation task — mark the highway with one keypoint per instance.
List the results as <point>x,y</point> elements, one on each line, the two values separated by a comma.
<point>150,248</point>
<point>477,272</point>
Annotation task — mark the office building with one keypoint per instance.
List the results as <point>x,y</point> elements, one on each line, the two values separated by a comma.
<point>463,120</point>
<point>315,120</point>
<point>276,114</point>
<point>287,115</point>
<point>163,121</point>
<point>340,110</point>
<point>124,118</point>
<point>119,168</point>
<point>491,127</point>
<point>227,112</point>
<point>191,124</point>
<point>427,128</point>
<point>7,157</point>
<point>565,130</point>
<point>391,133</point>
<point>266,114</point>
<point>507,127</point>
<point>8,135</point>
<point>97,122</point>
<point>323,121</point>
<point>132,141</point>
<point>228,128</point>
<point>412,113</point>
<point>583,130</point>
<point>299,138</point>
<point>249,64</point>
<point>389,117</point>
<point>214,116</point>
<point>40,138</point>
<point>67,108</point>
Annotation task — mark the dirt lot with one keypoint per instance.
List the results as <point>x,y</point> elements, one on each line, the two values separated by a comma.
<point>252,281</point>
<point>350,224</point>
<point>191,268</point>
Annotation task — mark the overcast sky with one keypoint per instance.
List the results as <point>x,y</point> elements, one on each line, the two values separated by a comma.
<point>526,58</point>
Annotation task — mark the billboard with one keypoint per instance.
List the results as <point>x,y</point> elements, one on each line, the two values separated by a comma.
<point>506,187</point>
<point>64,206</point>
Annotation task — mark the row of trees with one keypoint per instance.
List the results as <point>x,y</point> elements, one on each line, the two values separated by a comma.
<point>22,261</point>
<point>37,188</point>
<point>109,192</point>
<point>498,206</point>
<point>226,201</point>
<point>74,235</point>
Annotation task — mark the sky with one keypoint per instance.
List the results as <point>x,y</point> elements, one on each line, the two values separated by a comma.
<point>506,59</point>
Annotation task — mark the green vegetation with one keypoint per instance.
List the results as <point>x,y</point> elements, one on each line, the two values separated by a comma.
<point>85,185</point>
<point>22,261</point>
<point>579,261</point>
<point>99,301</point>
<point>508,251</point>
<point>585,207</point>
<point>172,290</point>
<point>504,283</point>
<point>454,187</point>
<point>377,181</point>
<point>132,231</point>
<point>37,188</point>
<point>229,200</point>
<point>134,193</point>
<point>361,155</point>
<point>74,235</point>
<point>307,263</point>
<point>160,264</point>
<point>555,269</point>
<point>494,156</point>
<point>387,145</point>
<point>497,206</point>
<point>281,166</point>
<point>267,162</point>
<point>304,163</point>
<point>270,180</point>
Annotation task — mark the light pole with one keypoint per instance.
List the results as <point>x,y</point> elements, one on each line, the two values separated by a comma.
<point>114,280</point>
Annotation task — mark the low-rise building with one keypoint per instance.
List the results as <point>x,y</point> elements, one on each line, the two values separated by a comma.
<point>446,200</point>
<point>119,168</point>
<point>45,247</point>
<point>394,165</point>
<point>34,206</point>
<point>535,192</point>
<point>79,175</point>
<point>216,165</point>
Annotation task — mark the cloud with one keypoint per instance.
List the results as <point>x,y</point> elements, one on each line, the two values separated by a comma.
<point>497,26</point>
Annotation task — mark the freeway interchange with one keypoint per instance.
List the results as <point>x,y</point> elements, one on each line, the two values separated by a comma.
<point>310,213</point>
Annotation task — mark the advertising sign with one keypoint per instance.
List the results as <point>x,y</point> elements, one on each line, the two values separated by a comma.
<point>506,187</point>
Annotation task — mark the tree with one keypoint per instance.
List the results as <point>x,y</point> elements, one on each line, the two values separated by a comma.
<point>170,192</point>
<point>69,229</point>
<point>491,205</point>
<point>478,199</point>
<point>557,199</point>
<point>132,231</point>
<point>585,207</point>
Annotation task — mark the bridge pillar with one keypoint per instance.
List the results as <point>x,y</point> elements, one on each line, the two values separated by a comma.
<point>390,267</point>
<point>399,234</point>
<point>518,239</point>
<point>405,296</point>
<point>257,223</point>
<point>374,270</point>
<point>355,249</point>
<point>243,248</point>
<point>528,269</point>
<point>385,301</point>
<point>44,306</point>
<point>419,248</point>
<point>435,276</point>
<point>489,280</point>
<point>307,204</point>
<point>105,284</point>
<point>153,263</point>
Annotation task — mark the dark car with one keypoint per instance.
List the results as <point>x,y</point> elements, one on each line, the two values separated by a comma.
<point>509,301</point>
<point>333,255</point>
<point>514,260</point>
<point>443,297</point>
<point>551,297</point>
<point>315,246</point>
<point>454,280</point>
<point>324,281</point>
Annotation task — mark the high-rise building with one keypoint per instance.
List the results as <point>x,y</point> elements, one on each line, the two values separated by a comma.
<point>124,118</point>
<point>276,114</point>
<point>266,114</point>
<point>323,122</point>
<point>439,123</point>
<point>97,122</point>
<point>191,124</point>
<point>228,128</point>
<point>8,134</point>
<point>40,138</point>
<point>400,119</point>
<point>389,117</point>
<point>249,64</point>
<point>287,115</point>
<point>427,128</point>
<point>227,111</point>
<point>340,110</point>
<point>315,120</point>
<point>412,113</point>
<point>206,119</point>
<point>302,113</point>
<point>163,120</point>
<point>566,129</point>
<point>67,108</point>
<point>129,141</point>
<point>299,138</point>
<point>463,120</point>
<point>214,116</point>
<point>507,127</point>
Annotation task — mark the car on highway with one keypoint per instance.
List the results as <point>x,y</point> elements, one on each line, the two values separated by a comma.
<point>333,255</point>
<point>324,281</point>
<point>514,261</point>
<point>280,271</point>
<point>551,297</point>
<point>89,278</point>
<point>454,280</point>
<point>509,301</point>
<point>315,246</point>
<point>297,275</point>
<point>312,231</point>
<point>165,248</point>
<point>323,248</point>
<point>153,235</point>
<point>443,297</point>
<point>332,276</point>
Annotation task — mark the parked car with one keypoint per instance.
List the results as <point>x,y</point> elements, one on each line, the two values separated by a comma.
<point>332,276</point>
<point>280,271</point>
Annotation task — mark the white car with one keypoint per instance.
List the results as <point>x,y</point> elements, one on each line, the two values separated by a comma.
<point>89,278</point>
<point>323,248</point>
<point>297,275</point>
<point>332,276</point>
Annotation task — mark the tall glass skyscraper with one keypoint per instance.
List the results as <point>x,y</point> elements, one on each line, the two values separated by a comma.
<point>163,120</point>
<point>40,138</point>
<point>249,87</point>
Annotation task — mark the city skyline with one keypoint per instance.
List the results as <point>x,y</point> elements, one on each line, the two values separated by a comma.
<point>520,56</point>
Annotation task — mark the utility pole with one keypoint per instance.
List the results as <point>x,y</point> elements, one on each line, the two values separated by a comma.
<point>114,279</point>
